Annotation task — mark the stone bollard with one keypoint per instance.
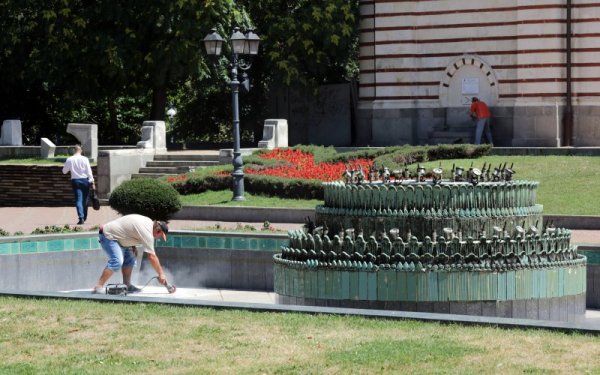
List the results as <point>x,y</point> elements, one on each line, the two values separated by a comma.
<point>47,149</point>
<point>87,135</point>
<point>154,136</point>
<point>275,134</point>
<point>11,133</point>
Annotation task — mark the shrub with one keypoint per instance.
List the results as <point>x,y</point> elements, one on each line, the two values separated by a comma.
<point>56,229</point>
<point>3,233</point>
<point>149,197</point>
<point>460,151</point>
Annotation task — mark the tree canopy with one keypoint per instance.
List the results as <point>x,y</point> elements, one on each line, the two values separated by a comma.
<point>117,63</point>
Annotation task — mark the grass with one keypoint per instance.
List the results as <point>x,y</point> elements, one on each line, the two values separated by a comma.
<point>72,337</point>
<point>223,198</point>
<point>57,160</point>
<point>567,184</point>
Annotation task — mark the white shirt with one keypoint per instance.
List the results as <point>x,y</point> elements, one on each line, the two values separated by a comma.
<point>79,166</point>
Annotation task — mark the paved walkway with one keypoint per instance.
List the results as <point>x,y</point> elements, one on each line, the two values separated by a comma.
<point>27,219</point>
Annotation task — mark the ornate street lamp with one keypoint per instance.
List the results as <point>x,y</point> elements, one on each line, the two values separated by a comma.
<point>241,46</point>
<point>171,112</point>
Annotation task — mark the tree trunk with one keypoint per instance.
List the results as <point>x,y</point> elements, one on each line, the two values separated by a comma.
<point>112,136</point>
<point>159,103</point>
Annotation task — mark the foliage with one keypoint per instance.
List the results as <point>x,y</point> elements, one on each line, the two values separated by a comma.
<point>117,64</point>
<point>307,42</point>
<point>294,172</point>
<point>198,183</point>
<point>4,233</point>
<point>293,188</point>
<point>56,229</point>
<point>149,197</point>
<point>103,62</point>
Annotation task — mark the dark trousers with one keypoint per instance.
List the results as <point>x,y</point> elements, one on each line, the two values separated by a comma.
<point>81,189</point>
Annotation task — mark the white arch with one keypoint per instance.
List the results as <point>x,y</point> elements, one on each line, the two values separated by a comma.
<point>473,63</point>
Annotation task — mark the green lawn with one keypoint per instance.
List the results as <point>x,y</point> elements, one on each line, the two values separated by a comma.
<point>74,337</point>
<point>567,184</point>
<point>223,198</point>
<point>57,160</point>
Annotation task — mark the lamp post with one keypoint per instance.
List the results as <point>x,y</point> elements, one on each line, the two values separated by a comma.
<point>171,112</point>
<point>241,45</point>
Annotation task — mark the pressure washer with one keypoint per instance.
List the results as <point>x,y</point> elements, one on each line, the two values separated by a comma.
<point>121,289</point>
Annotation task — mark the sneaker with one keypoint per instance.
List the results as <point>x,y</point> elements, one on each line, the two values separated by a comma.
<point>133,289</point>
<point>81,221</point>
<point>98,290</point>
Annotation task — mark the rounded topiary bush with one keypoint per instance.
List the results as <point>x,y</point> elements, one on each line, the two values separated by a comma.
<point>153,198</point>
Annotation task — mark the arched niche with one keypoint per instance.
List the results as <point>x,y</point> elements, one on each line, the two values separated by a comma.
<point>466,77</point>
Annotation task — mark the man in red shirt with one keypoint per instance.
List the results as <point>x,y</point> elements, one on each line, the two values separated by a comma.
<point>481,114</point>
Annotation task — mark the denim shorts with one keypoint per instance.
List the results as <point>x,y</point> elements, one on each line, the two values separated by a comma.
<point>117,256</point>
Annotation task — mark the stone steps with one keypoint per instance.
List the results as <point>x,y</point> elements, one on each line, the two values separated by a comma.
<point>182,163</point>
<point>166,170</point>
<point>176,163</point>
<point>187,157</point>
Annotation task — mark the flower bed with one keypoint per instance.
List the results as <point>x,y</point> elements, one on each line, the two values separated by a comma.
<point>302,165</point>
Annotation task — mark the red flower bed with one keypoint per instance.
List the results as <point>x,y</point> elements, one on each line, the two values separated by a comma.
<point>178,178</point>
<point>302,165</point>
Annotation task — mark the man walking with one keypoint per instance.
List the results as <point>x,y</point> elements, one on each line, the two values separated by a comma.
<point>119,239</point>
<point>481,114</point>
<point>81,179</point>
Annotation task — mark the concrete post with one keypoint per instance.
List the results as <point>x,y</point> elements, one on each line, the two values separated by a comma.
<point>87,135</point>
<point>47,148</point>
<point>11,133</point>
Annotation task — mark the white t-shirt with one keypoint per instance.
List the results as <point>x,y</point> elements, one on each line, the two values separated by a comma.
<point>79,166</point>
<point>131,230</point>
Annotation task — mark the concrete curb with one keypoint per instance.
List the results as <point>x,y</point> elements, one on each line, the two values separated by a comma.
<point>574,222</point>
<point>560,151</point>
<point>298,215</point>
<point>589,328</point>
<point>246,214</point>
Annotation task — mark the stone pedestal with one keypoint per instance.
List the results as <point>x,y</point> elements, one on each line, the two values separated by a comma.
<point>47,149</point>
<point>11,133</point>
<point>87,135</point>
<point>154,136</point>
<point>275,134</point>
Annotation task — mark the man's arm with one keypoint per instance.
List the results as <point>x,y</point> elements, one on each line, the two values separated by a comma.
<point>90,174</point>
<point>473,111</point>
<point>153,259</point>
<point>66,167</point>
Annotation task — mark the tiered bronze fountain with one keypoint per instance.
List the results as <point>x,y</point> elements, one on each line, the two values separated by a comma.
<point>474,243</point>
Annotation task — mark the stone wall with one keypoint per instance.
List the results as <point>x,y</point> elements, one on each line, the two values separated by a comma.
<point>35,185</point>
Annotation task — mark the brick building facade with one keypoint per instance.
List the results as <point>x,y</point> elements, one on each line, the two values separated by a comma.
<point>422,61</point>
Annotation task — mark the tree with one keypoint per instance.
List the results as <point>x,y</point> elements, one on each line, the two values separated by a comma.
<point>308,42</point>
<point>90,55</point>
<point>303,44</point>
<point>116,63</point>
